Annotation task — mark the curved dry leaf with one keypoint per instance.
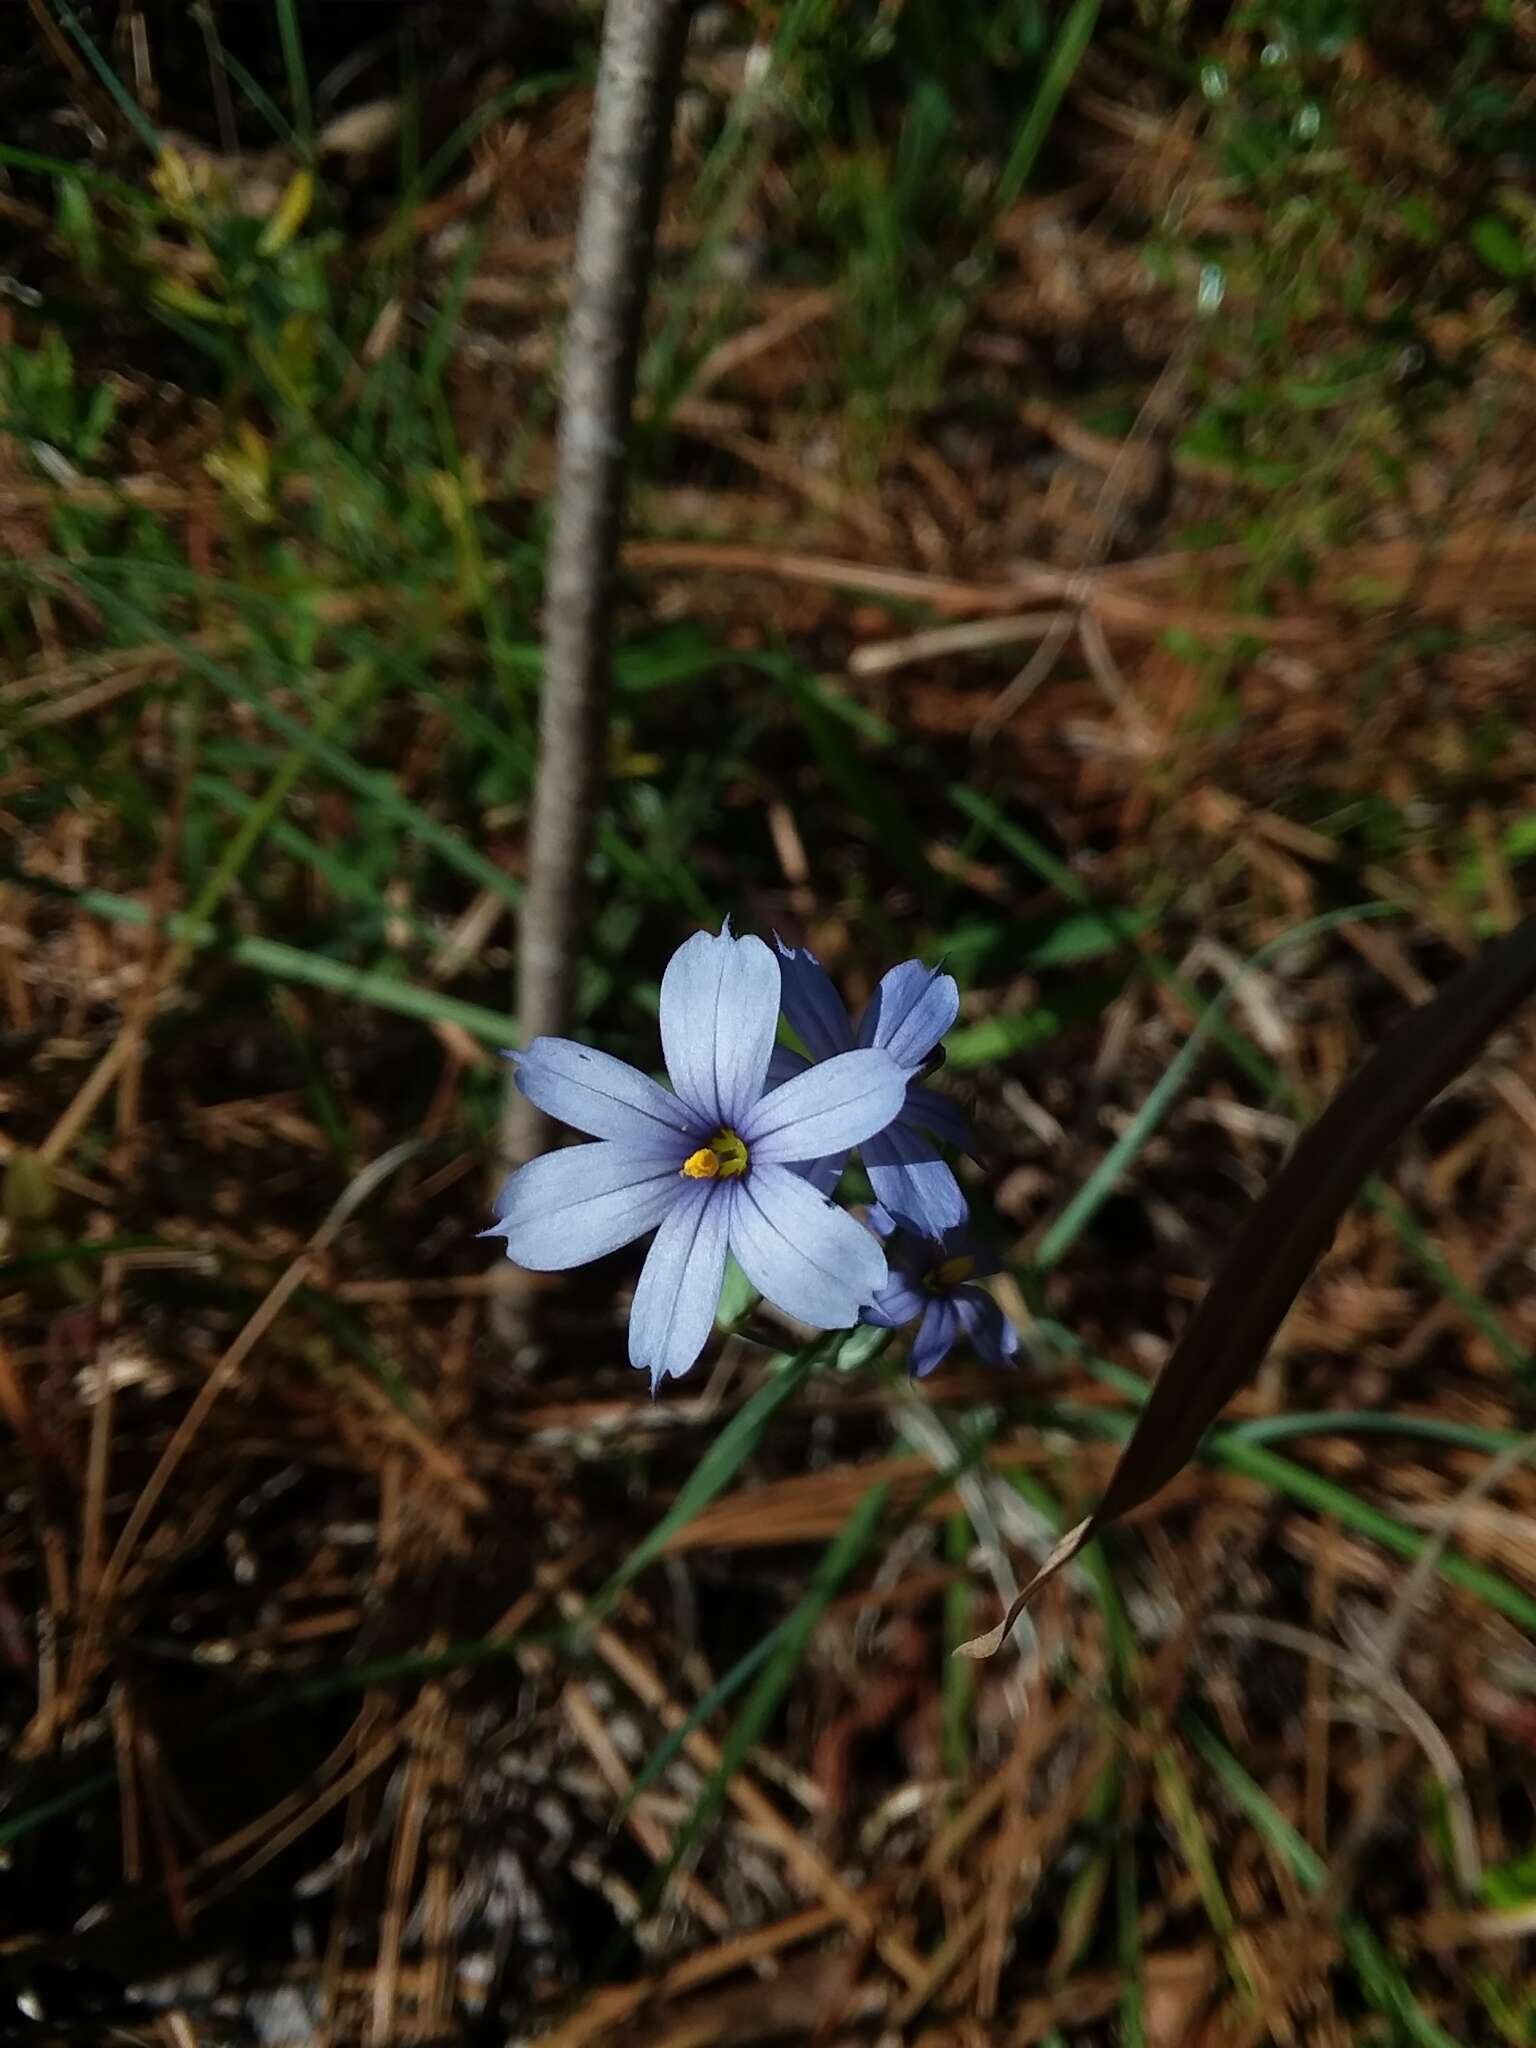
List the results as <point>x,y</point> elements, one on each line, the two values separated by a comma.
<point>1289,1229</point>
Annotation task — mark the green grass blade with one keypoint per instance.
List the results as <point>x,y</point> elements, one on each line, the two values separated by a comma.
<point>84,1251</point>
<point>94,181</point>
<point>968,1455</point>
<point>376,788</point>
<point>543,85</point>
<point>1067,52</point>
<point>1302,1484</point>
<point>1466,1436</point>
<point>372,985</point>
<point>957,1678</point>
<point>259,98</point>
<point>1233,1447</point>
<point>790,1642</point>
<point>297,72</point>
<point>1126,926</point>
<point>346,882</point>
<point>1467,1299</point>
<point>719,1464</point>
<point>31,1817</point>
<point>704,1709</point>
<point>138,120</point>
<point>1380,1978</point>
<point>868,793</point>
<point>1133,2032</point>
<point>1026,848</point>
<point>1078,1919</point>
<point>1100,1184</point>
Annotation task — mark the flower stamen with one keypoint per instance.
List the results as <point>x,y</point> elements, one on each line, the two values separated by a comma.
<point>725,1157</point>
<point>948,1273</point>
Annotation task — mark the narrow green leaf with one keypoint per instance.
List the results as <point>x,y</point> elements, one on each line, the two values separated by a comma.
<point>704,1709</point>
<point>789,1645</point>
<point>377,788</point>
<point>1101,1182</point>
<point>375,986</point>
<point>1067,52</point>
<point>129,106</point>
<point>298,75</point>
<point>719,1465</point>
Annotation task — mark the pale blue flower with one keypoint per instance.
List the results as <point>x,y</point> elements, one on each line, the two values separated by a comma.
<point>930,1284</point>
<point>907,1016</point>
<point>710,1168</point>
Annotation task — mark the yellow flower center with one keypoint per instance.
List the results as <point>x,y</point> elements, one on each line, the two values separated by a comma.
<point>723,1158</point>
<point>950,1273</point>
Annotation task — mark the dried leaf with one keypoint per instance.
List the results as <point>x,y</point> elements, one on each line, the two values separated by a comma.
<point>1288,1231</point>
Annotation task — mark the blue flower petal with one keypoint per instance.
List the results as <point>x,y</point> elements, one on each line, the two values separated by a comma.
<point>679,1291</point>
<point>935,1337</point>
<point>825,1109</point>
<point>931,1111</point>
<point>901,1301</point>
<point>809,1259</point>
<point>823,1174</point>
<point>583,1202</point>
<point>593,1092</point>
<point>912,1181</point>
<point>992,1335</point>
<point>880,1220</point>
<point>783,1065</point>
<point>719,1011</point>
<point>815,1010</point>
<point>910,1012</point>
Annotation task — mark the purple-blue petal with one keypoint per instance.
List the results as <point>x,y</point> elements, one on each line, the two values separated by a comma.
<point>581,1203</point>
<point>898,1303</point>
<point>815,1010</point>
<point>910,1012</point>
<point>823,1174</point>
<point>913,1182</point>
<point>826,1109</point>
<point>719,1012</point>
<point>783,1065</point>
<point>933,1112</point>
<point>679,1290</point>
<point>992,1336</point>
<point>935,1337</point>
<point>808,1258</point>
<point>593,1092</point>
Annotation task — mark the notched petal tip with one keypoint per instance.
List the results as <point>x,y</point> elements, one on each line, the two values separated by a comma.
<point>719,1013</point>
<point>912,1181</point>
<point>812,1006</point>
<point>911,1010</point>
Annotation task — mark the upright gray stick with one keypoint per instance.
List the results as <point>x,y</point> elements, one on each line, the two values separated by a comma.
<point>626,163</point>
